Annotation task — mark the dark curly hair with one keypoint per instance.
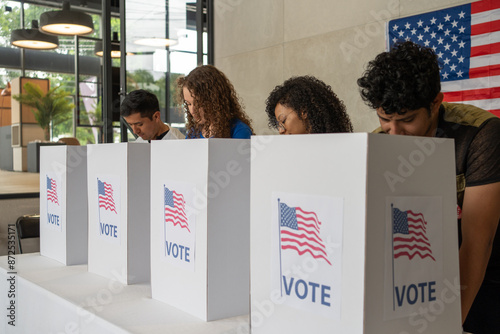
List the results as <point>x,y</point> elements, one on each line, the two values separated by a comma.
<point>307,95</point>
<point>403,79</point>
<point>215,95</point>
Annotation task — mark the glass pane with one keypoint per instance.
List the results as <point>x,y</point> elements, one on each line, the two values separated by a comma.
<point>90,111</point>
<point>6,76</point>
<point>63,82</point>
<point>10,19</point>
<point>87,135</point>
<point>96,19</point>
<point>183,24</point>
<point>156,67</point>
<point>205,43</point>
<point>89,84</point>
<point>182,62</point>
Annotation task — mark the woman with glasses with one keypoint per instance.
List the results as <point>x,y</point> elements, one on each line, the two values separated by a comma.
<point>306,105</point>
<point>211,105</point>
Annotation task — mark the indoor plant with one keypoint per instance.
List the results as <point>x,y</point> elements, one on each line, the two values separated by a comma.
<point>51,107</point>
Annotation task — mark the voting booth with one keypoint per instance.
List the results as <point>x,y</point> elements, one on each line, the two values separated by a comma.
<point>200,214</point>
<point>354,233</point>
<point>63,203</point>
<point>118,210</point>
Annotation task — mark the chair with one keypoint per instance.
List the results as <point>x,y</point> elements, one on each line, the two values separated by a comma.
<point>27,226</point>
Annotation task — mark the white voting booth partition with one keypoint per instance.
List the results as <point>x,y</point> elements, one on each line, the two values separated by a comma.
<point>354,233</point>
<point>63,203</point>
<point>200,215</point>
<point>118,195</point>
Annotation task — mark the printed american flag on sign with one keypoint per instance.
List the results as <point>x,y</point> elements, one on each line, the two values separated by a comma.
<point>466,40</point>
<point>300,231</point>
<point>175,210</point>
<point>409,235</point>
<point>105,193</point>
<point>52,190</point>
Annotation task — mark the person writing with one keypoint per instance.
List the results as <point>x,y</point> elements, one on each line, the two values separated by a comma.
<point>211,105</point>
<point>403,86</point>
<point>141,111</point>
<point>306,104</point>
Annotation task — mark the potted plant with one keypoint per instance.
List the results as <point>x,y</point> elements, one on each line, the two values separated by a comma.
<point>52,107</point>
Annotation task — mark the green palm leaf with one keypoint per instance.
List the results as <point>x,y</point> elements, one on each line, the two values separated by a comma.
<point>52,107</point>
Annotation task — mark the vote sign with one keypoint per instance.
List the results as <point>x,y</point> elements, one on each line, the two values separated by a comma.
<point>54,201</point>
<point>108,200</point>
<point>413,255</point>
<point>179,224</point>
<point>307,257</point>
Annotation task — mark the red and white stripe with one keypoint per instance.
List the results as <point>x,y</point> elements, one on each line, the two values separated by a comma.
<point>106,201</point>
<point>415,243</point>
<point>482,89</point>
<point>306,239</point>
<point>177,214</point>
<point>52,192</point>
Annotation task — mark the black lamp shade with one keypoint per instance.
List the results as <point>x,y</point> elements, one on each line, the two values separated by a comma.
<point>66,22</point>
<point>115,49</point>
<point>33,38</point>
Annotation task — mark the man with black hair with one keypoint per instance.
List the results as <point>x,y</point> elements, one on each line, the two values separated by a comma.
<point>141,111</point>
<point>403,86</point>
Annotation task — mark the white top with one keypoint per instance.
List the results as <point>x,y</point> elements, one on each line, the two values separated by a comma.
<point>173,133</point>
<point>53,297</point>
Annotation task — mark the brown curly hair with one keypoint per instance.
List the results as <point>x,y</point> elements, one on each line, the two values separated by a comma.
<point>215,95</point>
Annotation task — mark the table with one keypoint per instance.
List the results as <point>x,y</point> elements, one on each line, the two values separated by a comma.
<point>53,298</point>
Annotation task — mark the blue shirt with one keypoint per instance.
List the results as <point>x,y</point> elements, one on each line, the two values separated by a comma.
<point>239,130</point>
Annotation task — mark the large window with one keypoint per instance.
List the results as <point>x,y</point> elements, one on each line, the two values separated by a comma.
<point>161,46</point>
<point>148,66</point>
<point>57,65</point>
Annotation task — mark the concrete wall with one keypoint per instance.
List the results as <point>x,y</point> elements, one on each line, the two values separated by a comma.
<point>6,153</point>
<point>261,43</point>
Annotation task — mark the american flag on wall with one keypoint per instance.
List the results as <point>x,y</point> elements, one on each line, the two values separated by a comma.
<point>409,235</point>
<point>466,40</point>
<point>105,193</point>
<point>52,190</point>
<point>300,231</point>
<point>175,210</point>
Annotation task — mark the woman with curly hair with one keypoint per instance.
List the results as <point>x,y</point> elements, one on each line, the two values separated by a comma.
<point>306,105</point>
<point>212,107</point>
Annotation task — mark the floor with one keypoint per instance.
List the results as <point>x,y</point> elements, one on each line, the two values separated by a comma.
<point>19,182</point>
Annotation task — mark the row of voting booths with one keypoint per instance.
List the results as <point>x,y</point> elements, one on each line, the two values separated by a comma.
<point>347,233</point>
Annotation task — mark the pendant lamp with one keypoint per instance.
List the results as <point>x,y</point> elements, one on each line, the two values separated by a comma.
<point>115,47</point>
<point>66,22</point>
<point>33,38</point>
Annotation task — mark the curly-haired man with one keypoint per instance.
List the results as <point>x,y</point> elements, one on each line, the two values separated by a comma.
<point>403,86</point>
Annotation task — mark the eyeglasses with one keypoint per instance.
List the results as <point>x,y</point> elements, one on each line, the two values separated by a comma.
<point>281,124</point>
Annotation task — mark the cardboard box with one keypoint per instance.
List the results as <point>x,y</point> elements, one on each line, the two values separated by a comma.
<point>63,204</point>
<point>119,206</point>
<point>333,221</point>
<point>200,191</point>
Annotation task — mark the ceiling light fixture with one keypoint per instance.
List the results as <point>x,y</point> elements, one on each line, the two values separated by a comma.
<point>66,22</point>
<point>33,38</point>
<point>115,47</point>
